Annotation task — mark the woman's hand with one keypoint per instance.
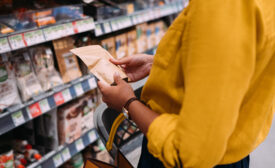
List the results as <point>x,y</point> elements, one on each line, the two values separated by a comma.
<point>136,67</point>
<point>116,96</point>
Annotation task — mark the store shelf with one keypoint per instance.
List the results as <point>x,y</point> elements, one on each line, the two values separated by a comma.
<point>56,158</point>
<point>32,37</point>
<point>16,116</point>
<point>121,22</point>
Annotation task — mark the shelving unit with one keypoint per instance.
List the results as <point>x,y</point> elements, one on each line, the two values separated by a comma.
<point>45,102</point>
<point>29,38</point>
<point>65,152</point>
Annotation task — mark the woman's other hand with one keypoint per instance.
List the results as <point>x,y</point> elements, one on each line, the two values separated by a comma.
<point>136,67</point>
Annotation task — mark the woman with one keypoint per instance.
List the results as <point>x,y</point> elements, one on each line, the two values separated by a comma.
<point>210,91</point>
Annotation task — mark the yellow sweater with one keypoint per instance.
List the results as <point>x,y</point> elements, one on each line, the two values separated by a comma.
<point>213,82</point>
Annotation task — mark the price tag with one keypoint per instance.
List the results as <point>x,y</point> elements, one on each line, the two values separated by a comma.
<point>119,23</point>
<point>67,95</point>
<point>18,118</point>
<point>79,144</point>
<point>44,105</point>
<point>58,98</point>
<point>34,37</point>
<point>68,29</point>
<point>114,25</point>
<point>4,45</point>
<point>52,32</point>
<point>140,18</point>
<point>85,25</point>
<point>66,154</point>
<point>92,136</point>
<point>78,89</point>
<point>92,83</point>
<point>17,41</point>
<point>107,27</point>
<point>134,18</point>
<point>34,110</point>
<point>98,30</point>
<point>57,160</point>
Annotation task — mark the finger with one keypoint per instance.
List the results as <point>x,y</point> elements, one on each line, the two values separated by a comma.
<point>117,79</point>
<point>101,85</point>
<point>121,61</point>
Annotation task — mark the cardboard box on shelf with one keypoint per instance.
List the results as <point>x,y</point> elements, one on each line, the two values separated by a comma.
<point>67,62</point>
<point>151,37</point>
<point>131,42</point>
<point>109,45</point>
<point>121,45</point>
<point>69,122</point>
<point>141,37</point>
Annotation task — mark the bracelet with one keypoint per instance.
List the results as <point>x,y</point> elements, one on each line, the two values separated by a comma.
<point>126,106</point>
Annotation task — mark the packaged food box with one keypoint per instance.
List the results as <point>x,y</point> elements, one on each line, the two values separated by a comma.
<point>69,122</point>
<point>131,43</point>
<point>67,61</point>
<point>121,45</point>
<point>141,37</point>
<point>109,45</point>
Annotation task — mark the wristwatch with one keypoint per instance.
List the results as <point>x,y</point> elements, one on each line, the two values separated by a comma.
<point>126,106</point>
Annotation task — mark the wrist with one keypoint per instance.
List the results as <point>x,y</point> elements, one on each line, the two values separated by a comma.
<point>125,108</point>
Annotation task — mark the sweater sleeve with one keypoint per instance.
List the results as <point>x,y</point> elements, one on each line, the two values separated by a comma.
<point>219,63</point>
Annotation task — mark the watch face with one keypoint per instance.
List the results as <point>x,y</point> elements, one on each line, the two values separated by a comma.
<point>125,112</point>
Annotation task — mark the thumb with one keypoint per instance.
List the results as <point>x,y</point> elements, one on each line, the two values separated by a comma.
<point>101,85</point>
<point>121,61</point>
<point>117,79</point>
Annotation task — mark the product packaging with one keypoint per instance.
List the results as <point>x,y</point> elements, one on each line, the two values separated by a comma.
<point>160,29</point>
<point>44,17</point>
<point>97,60</point>
<point>6,157</point>
<point>46,132</point>
<point>109,45</point>
<point>88,103</point>
<point>151,37</point>
<point>121,46</point>
<point>8,90</point>
<point>131,43</point>
<point>69,122</point>
<point>77,161</point>
<point>141,37</point>
<point>27,81</point>
<point>43,63</point>
<point>67,62</point>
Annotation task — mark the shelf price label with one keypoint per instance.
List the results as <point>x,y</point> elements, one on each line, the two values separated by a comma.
<point>79,144</point>
<point>18,118</point>
<point>92,83</point>
<point>114,25</point>
<point>57,160</point>
<point>98,30</point>
<point>66,154</point>
<point>17,41</point>
<point>66,94</point>
<point>92,136</point>
<point>34,37</point>
<point>44,105</point>
<point>4,45</point>
<point>78,89</point>
<point>107,27</point>
<point>53,32</point>
<point>68,29</point>
<point>34,110</point>
<point>85,25</point>
<point>58,98</point>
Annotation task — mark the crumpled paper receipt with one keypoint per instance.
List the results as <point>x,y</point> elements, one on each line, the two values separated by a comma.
<point>96,59</point>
